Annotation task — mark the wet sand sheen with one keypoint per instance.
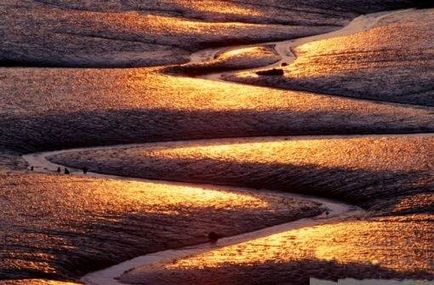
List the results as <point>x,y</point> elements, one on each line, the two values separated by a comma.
<point>387,118</point>
<point>361,26</point>
<point>385,62</point>
<point>372,248</point>
<point>201,254</point>
<point>356,169</point>
<point>335,211</point>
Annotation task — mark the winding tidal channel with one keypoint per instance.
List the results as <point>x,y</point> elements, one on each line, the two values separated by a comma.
<point>336,210</point>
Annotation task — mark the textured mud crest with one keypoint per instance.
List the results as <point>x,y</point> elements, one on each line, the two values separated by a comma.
<point>73,199</point>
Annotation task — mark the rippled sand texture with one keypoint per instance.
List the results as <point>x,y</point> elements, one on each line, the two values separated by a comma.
<point>312,12</point>
<point>358,170</point>
<point>143,33</point>
<point>40,107</point>
<point>381,248</point>
<point>394,61</point>
<point>62,227</point>
<point>37,34</point>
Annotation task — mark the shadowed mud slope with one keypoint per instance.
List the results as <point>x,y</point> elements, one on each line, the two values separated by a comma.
<point>312,12</point>
<point>41,107</point>
<point>380,248</point>
<point>394,61</point>
<point>358,170</point>
<point>62,227</point>
<point>142,33</point>
<point>37,34</point>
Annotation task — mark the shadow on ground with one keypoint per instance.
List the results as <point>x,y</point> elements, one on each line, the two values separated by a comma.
<point>297,272</point>
<point>56,131</point>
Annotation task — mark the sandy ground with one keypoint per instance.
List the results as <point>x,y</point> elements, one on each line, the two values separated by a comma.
<point>391,62</point>
<point>335,250</point>
<point>312,12</point>
<point>143,33</point>
<point>63,226</point>
<point>112,102</point>
<point>358,170</point>
<point>37,34</point>
<point>386,248</point>
<point>332,211</point>
<point>106,107</point>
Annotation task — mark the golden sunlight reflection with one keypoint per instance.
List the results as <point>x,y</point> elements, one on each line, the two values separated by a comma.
<point>239,52</point>
<point>142,88</point>
<point>380,47</point>
<point>219,7</point>
<point>391,153</point>
<point>172,199</point>
<point>170,26</point>
<point>329,56</point>
<point>79,216</point>
<point>372,242</point>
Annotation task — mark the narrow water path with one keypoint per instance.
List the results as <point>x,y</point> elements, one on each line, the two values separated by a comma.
<point>338,210</point>
<point>110,276</point>
<point>284,49</point>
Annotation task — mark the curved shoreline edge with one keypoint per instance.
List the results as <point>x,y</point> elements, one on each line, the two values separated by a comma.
<point>285,48</point>
<point>338,210</point>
